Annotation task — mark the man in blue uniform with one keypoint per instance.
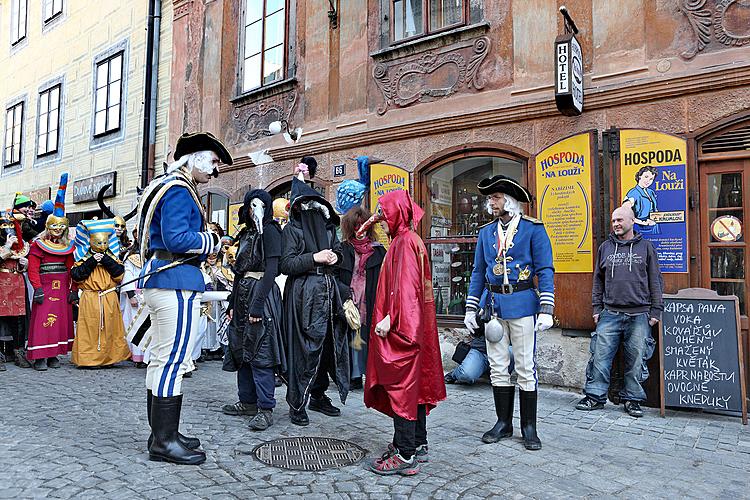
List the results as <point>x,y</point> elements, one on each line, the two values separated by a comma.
<point>173,226</point>
<point>510,252</point>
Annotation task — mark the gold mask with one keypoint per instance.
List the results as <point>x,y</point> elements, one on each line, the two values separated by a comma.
<point>99,242</point>
<point>56,226</point>
<point>231,255</point>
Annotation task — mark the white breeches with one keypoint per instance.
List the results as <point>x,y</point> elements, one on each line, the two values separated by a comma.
<point>520,333</point>
<point>174,322</point>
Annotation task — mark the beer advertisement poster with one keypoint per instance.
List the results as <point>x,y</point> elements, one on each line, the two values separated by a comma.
<point>653,182</point>
<point>563,186</point>
<point>385,178</point>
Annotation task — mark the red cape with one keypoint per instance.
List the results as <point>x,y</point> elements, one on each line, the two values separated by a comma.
<point>404,369</point>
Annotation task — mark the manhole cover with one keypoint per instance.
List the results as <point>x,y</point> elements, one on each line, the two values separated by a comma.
<point>309,453</point>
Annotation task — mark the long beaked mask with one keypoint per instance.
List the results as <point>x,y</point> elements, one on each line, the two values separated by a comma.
<point>257,208</point>
<point>366,225</point>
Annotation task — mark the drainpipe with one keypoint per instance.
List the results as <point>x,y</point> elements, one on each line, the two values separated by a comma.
<point>151,95</point>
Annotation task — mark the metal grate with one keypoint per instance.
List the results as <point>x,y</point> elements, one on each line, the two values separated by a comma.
<point>309,453</point>
<point>733,140</point>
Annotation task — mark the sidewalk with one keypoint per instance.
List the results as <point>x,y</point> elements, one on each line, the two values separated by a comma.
<point>71,433</point>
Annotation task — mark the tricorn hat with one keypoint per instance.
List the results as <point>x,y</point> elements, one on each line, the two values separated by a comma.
<point>503,184</point>
<point>201,141</point>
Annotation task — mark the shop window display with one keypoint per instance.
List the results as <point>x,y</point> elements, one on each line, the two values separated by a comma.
<point>454,213</point>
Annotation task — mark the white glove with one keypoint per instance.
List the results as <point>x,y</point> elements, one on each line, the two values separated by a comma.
<point>383,327</point>
<point>470,320</point>
<point>543,322</point>
<point>216,242</point>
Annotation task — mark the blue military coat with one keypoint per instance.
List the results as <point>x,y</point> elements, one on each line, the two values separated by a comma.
<point>176,227</point>
<point>531,256</point>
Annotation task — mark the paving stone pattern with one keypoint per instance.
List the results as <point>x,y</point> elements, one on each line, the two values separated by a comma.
<point>71,433</point>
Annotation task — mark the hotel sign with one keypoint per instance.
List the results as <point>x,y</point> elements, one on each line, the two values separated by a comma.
<point>568,75</point>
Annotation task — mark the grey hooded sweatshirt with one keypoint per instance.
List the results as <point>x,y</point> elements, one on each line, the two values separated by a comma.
<point>627,277</point>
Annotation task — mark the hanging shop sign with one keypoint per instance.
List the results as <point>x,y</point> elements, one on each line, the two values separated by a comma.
<point>385,178</point>
<point>653,181</point>
<point>88,189</point>
<point>563,186</point>
<point>568,75</point>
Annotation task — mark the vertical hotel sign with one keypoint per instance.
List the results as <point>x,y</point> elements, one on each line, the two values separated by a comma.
<point>385,178</point>
<point>653,181</point>
<point>563,185</point>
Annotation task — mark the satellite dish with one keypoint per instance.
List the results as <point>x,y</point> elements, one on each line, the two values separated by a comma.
<point>260,157</point>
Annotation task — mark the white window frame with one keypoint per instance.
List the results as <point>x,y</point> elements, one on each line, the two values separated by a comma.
<point>51,9</point>
<point>108,104</point>
<point>19,21</point>
<point>263,49</point>
<point>47,124</point>
<point>14,118</point>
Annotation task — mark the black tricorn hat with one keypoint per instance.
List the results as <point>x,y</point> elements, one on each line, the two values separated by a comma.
<point>502,184</point>
<point>201,141</point>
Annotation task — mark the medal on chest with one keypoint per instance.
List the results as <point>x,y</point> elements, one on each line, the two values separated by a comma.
<point>504,244</point>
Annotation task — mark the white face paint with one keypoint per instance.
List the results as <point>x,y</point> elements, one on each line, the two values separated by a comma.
<point>258,209</point>
<point>204,161</point>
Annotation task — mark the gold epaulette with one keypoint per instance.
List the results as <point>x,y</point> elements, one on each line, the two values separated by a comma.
<point>135,259</point>
<point>531,219</point>
<point>493,221</point>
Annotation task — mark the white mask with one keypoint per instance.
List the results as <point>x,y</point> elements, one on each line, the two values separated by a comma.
<point>258,209</point>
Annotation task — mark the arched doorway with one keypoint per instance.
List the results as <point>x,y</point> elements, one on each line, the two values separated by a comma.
<point>454,212</point>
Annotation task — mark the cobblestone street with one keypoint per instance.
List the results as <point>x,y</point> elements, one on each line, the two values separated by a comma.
<point>71,433</point>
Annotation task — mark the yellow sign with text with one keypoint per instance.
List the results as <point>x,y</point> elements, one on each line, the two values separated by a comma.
<point>234,219</point>
<point>563,188</point>
<point>385,178</point>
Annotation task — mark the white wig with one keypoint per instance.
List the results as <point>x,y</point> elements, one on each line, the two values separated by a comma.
<point>511,206</point>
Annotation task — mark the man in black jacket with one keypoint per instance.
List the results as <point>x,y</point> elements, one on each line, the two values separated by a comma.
<point>627,302</point>
<point>316,328</point>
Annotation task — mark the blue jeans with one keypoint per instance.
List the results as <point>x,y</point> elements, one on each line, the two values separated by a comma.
<point>474,365</point>
<point>635,334</point>
<point>256,385</point>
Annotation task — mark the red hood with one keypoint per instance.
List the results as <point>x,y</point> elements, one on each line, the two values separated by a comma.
<point>400,212</point>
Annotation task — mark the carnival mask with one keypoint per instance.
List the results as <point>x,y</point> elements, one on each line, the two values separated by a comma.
<point>120,226</point>
<point>257,207</point>
<point>56,226</point>
<point>374,219</point>
<point>231,255</point>
<point>281,210</point>
<point>211,259</point>
<point>99,242</point>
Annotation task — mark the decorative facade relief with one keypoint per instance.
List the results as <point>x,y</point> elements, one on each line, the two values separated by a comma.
<point>723,21</point>
<point>251,121</point>
<point>432,76</point>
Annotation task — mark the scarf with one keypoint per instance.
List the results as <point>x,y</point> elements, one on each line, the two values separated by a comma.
<point>364,248</point>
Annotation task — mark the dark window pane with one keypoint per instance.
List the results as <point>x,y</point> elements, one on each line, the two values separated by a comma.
<point>728,263</point>
<point>738,289</point>
<point>725,190</point>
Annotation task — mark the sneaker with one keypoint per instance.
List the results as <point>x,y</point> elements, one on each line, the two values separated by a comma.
<point>396,464</point>
<point>449,378</point>
<point>388,453</point>
<point>633,409</point>
<point>240,408</point>
<point>324,406</point>
<point>40,365</point>
<point>422,454</point>
<point>53,362</point>
<point>21,359</point>
<point>299,417</point>
<point>588,404</point>
<point>262,421</point>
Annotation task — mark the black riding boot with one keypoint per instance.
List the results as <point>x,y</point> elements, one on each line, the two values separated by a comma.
<point>528,420</point>
<point>190,443</point>
<point>504,410</point>
<point>166,445</point>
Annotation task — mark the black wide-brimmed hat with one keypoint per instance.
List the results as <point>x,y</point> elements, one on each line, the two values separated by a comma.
<point>201,141</point>
<point>502,184</point>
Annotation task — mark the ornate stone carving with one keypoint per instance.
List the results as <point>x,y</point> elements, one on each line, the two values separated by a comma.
<point>702,19</point>
<point>433,76</point>
<point>251,120</point>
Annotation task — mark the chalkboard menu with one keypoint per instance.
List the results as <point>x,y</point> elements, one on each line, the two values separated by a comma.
<point>701,353</point>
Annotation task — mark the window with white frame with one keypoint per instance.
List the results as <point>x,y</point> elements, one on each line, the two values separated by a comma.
<point>51,9</point>
<point>108,95</point>
<point>48,133</point>
<point>13,134</point>
<point>18,11</point>
<point>414,18</point>
<point>264,43</point>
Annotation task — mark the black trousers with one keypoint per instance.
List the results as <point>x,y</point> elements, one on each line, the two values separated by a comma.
<point>408,435</point>
<point>326,368</point>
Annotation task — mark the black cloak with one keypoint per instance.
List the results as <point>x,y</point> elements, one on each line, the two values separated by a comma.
<point>313,296</point>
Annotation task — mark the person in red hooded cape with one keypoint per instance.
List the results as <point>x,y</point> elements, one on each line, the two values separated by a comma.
<point>404,367</point>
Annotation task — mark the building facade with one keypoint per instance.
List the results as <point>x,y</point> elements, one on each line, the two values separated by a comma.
<point>452,91</point>
<point>74,91</point>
